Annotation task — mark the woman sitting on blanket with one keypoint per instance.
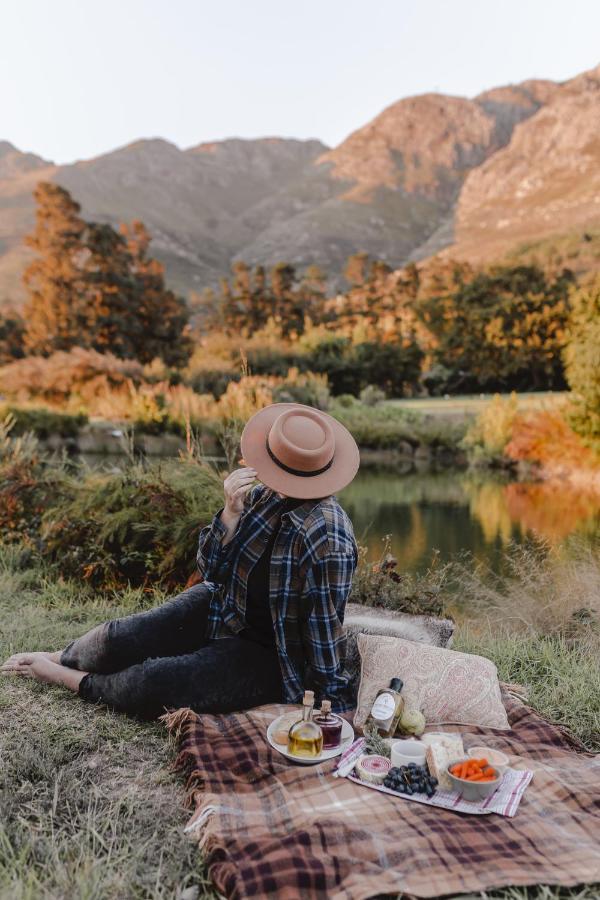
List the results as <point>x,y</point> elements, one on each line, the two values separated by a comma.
<point>266,621</point>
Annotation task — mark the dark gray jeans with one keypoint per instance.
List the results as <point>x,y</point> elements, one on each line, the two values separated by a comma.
<point>160,659</point>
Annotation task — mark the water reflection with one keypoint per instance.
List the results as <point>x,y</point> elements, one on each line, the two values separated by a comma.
<point>453,511</point>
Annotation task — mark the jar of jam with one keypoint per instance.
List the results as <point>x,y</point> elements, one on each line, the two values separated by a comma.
<point>330,725</point>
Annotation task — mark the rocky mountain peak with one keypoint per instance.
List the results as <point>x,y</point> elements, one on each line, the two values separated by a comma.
<point>431,171</point>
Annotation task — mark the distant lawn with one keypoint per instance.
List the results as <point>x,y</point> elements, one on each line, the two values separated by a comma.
<point>468,405</point>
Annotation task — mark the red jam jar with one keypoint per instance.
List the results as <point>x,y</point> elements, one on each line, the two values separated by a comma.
<point>330,725</point>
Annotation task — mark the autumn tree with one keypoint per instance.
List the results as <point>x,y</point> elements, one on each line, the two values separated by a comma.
<point>55,279</point>
<point>91,286</point>
<point>582,361</point>
<point>502,329</point>
<point>248,300</point>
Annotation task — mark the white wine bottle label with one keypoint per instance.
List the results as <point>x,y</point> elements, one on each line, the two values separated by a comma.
<point>383,707</point>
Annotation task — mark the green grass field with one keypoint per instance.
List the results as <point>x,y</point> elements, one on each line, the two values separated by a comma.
<point>89,806</point>
<point>469,405</point>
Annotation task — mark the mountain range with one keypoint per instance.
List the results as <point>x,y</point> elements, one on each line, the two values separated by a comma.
<point>467,178</point>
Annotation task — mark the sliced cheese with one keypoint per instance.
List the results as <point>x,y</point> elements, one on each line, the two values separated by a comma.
<point>440,753</point>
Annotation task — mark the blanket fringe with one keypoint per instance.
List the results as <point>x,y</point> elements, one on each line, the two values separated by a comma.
<point>175,720</point>
<point>515,691</point>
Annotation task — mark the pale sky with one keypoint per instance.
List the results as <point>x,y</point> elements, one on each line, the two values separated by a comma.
<point>81,77</point>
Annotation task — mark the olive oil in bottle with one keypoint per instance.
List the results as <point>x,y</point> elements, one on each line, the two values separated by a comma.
<point>305,737</point>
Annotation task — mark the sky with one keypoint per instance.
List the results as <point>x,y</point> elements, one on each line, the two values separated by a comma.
<point>82,77</point>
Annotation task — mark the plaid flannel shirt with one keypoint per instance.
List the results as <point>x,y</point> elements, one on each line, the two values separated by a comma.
<point>312,564</point>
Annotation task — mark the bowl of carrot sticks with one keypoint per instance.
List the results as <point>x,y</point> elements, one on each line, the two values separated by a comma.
<point>475,779</point>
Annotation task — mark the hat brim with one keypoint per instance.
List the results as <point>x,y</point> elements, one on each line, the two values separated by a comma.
<point>344,467</point>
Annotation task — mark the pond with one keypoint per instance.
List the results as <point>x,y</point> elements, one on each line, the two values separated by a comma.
<point>454,511</point>
<point>450,512</point>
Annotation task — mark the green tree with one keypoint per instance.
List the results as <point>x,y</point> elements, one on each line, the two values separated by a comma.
<point>245,302</point>
<point>12,333</point>
<point>161,316</point>
<point>582,361</point>
<point>93,287</point>
<point>503,329</point>
<point>287,303</point>
<point>312,295</point>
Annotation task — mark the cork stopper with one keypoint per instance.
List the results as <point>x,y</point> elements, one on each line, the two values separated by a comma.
<point>309,698</point>
<point>326,707</point>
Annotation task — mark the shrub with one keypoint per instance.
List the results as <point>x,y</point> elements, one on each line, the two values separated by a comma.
<point>43,422</point>
<point>27,486</point>
<point>376,427</point>
<point>308,388</point>
<point>274,360</point>
<point>139,526</point>
<point>12,331</point>
<point>68,379</point>
<point>379,584</point>
<point>545,437</point>
<point>385,426</point>
<point>486,439</point>
<point>371,395</point>
<point>212,381</point>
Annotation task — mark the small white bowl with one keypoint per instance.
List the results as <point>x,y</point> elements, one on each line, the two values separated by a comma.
<point>405,752</point>
<point>495,758</point>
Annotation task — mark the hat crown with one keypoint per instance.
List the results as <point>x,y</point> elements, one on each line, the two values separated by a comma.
<point>302,440</point>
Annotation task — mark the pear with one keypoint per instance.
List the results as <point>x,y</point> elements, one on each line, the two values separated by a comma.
<point>412,722</point>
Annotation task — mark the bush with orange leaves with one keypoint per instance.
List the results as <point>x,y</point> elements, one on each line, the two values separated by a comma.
<point>545,438</point>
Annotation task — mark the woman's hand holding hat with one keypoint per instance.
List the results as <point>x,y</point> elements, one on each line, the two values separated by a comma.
<point>237,484</point>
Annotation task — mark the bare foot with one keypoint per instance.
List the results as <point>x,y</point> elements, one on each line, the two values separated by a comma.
<point>34,665</point>
<point>16,658</point>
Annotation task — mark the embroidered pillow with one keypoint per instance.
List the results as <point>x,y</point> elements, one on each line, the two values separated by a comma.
<point>449,688</point>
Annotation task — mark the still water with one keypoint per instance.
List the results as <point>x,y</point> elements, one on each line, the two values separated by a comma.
<point>456,511</point>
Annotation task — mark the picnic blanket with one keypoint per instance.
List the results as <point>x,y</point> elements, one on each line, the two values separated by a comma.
<point>269,827</point>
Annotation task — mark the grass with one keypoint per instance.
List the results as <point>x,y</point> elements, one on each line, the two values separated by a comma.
<point>469,405</point>
<point>89,807</point>
<point>562,680</point>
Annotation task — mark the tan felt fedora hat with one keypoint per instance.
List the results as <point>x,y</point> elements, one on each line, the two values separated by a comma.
<point>300,451</point>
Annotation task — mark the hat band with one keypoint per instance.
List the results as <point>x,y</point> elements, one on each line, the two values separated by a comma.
<point>300,472</point>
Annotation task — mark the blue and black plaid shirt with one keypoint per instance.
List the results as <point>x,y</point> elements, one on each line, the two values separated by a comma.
<point>312,564</point>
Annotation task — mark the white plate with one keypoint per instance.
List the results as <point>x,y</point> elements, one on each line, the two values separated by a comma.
<point>347,738</point>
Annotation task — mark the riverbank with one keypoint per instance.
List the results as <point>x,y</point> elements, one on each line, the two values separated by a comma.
<point>89,805</point>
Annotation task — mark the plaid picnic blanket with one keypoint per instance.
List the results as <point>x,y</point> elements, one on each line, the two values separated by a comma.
<point>269,827</point>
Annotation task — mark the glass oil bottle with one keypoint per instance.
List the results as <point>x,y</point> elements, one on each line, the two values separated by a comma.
<point>330,725</point>
<point>387,709</point>
<point>305,737</point>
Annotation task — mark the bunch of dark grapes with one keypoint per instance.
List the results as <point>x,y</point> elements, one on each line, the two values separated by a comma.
<point>411,779</point>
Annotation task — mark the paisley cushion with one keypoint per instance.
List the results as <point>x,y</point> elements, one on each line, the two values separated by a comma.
<point>449,688</point>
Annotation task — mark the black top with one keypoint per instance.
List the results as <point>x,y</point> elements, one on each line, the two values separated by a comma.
<point>259,621</point>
